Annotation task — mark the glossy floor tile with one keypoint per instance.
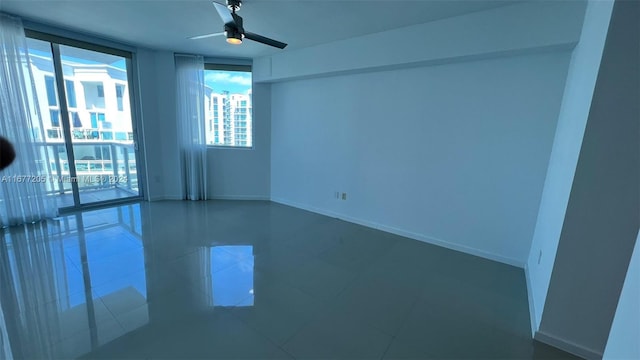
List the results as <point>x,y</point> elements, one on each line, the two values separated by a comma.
<point>252,280</point>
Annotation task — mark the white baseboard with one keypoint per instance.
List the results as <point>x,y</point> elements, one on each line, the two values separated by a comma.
<point>307,208</point>
<point>568,346</point>
<point>216,197</point>
<point>241,197</point>
<point>409,234</point>
<point>532,307</point>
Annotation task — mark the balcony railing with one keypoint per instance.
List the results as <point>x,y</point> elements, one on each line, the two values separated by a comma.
<point>91,134</point>
<point>115,166</point>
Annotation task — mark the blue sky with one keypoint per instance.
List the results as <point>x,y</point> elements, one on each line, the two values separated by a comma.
<point>120,64</point>
<point>235,82</point>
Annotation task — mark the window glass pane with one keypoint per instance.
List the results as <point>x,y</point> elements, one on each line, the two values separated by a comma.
<point>94,120</point>
<point>55,117</point>
<point>51,90</point>
<point>75,119</point>
<point>50,140</point>
<point>119,97</point>
<point>228,98</point>
<point>53,134</point>
<point>71,93</point>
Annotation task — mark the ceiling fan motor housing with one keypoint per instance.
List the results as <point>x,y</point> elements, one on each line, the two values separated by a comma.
<point>234,5</point>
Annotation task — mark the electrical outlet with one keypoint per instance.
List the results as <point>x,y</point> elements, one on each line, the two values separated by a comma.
<point>539,257</point>
<point>344,196</point>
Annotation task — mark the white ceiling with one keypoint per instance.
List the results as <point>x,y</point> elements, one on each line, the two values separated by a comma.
<point>164,24</point>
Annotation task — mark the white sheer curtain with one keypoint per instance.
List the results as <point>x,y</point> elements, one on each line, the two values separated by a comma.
<point>23,196</point>
<point>191,126</point>
<point>29,256</point>
<point>5,346</point>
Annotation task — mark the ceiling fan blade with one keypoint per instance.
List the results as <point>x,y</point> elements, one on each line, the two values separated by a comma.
<point>237,21</point>
<point>206,36</point>
<point>264,40</point>
<point>224,13</point>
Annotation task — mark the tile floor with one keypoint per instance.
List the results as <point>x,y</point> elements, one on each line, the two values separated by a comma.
<point>257,280</point>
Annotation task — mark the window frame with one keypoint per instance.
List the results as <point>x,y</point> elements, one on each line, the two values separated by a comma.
<point>221,66</point>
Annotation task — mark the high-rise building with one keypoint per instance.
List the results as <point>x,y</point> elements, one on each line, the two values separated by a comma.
<point>228,120</point>
<point>97,101</point>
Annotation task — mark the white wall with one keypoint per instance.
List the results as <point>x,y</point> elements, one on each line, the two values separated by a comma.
<point>475,98</point>
<point>578,92</point>
<point>156,77</point>
<point>232,173</point>
<point>603,214</point>
<point>452,154</point>
<point>519,28</point>
<point>624,338</point>
<point>244,174</point>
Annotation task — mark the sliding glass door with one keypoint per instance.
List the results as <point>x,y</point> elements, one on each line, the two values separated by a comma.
<point>87,124</point>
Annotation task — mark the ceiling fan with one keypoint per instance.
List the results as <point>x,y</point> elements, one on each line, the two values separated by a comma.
<point>233,28</point>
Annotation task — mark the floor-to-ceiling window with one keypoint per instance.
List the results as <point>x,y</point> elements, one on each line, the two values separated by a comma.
<point>88,129</point>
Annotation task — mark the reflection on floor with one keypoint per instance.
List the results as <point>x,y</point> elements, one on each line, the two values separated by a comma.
<point>254,280</point>
<point>94,195</point>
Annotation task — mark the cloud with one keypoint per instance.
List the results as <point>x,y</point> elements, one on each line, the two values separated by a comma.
<point>221,77</point>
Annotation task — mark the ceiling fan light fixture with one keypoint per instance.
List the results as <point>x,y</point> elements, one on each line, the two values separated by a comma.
<point>234,41</point>
<point>234,36</point>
